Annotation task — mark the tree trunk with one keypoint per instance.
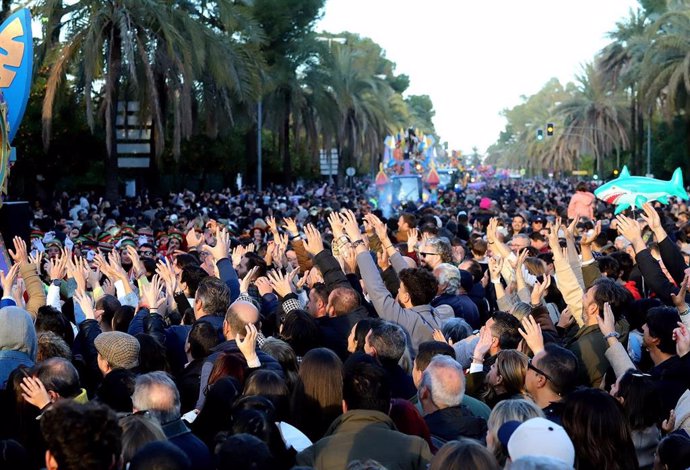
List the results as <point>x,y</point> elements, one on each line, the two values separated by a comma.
<point>633,124</point>
<point>285,139</point>
<point>113,89</point>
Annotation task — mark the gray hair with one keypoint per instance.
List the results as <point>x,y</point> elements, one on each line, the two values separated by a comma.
<point>533,462</point>
<point>444,394</point>
<point>457,329</point>
<point>389,340</point>
<point>442,247</point>
<point>156,393</point>
<point>448,275</point>
<point>520,310</point>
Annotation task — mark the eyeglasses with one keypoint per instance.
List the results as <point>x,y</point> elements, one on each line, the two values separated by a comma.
<point>424,255</point>
<point>538,371</point>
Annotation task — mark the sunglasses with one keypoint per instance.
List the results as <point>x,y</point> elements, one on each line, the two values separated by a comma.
<point>424,255</point>
<point>538,371</point>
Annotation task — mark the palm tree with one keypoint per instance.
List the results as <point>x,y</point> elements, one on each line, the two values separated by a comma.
<point>594,119</point>
<point>666,65</point>
<point>619,64</point>
<point>145,51</point>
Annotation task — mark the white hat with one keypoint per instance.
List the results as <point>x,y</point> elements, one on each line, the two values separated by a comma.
<point>539,437</point>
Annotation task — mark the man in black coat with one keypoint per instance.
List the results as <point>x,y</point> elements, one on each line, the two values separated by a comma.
<point>441,393</point>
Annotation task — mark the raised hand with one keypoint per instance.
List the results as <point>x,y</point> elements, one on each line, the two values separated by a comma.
<point>193,238</point>
<point>669,425</point>
<point>652,218</point>
<point>379,227</point>
<point>491,229</point>
<point>629,228</point>
<point>19,255</point>
<point>531,333</point>
<point>237,254</point>
<point>571,231</point>
<point>37,259</point>
<point>351,226</point>
<point>566,318</point>
<point>495,267</point>
<point>115,264</point>
<point>78,269</point>
<point>313,243</point>
<point>247,280</point>
<point>7,280</point>
<point>264,286</point>
<point>587,240</point>
<point>382,260</point>
<point>56,268</point>
<point>608,323</point>
<point>165,271</point>
<point>152,293</point>
<point>412,239</point>
<point>291,226</point>
<point>336,224</point>
<point>679,298</point>
<point>539,290</point>
<point>349,259</point>
<point>281,283</point>
<point>682,338</point>
<point>220,250</point>
<point>137,266</point>
<point>86,303</point>
<point>272,225</point>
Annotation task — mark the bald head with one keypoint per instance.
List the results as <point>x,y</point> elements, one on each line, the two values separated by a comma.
<point>239,315</point>
<point>341,301</point>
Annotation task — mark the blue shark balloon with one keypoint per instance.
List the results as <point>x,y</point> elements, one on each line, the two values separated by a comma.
<point>633,191</point>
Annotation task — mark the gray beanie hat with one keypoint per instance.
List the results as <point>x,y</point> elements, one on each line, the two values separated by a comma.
<point>121,350</point>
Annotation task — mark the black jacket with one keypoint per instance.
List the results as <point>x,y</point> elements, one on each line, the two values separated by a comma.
<point>453,423</point>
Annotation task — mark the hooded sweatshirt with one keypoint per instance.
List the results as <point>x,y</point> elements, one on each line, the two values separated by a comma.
<point>18,344</point>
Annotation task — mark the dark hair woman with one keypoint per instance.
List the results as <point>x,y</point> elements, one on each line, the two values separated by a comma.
<point>596,423</point>
<point>318,396</point>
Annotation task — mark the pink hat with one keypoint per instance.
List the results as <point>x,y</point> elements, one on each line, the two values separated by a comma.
<point>485,203</point>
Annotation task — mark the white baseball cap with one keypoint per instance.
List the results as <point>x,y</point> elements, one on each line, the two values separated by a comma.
<point>537,437</point>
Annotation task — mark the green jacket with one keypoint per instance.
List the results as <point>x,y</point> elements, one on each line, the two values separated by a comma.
<point>362,435</point>
<point>590,348</point>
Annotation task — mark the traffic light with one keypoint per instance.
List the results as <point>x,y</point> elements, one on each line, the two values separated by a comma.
<point>549,129</point>
<point>540,134</point>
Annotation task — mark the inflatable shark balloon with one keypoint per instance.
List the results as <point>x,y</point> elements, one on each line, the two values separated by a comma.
<point>633,191</point>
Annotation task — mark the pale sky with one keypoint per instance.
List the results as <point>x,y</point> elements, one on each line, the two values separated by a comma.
<point>475,58</point>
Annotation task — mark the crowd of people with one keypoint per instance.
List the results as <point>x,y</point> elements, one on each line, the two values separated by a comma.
<point>519,326</point>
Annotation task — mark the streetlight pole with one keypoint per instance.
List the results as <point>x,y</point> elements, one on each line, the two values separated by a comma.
<point>259,125</point>
<point>649,144</point>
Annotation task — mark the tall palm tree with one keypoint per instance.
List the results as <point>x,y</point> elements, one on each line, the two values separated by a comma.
<point>594,119</point>
<point>619,64</point>
<point>126,49</point>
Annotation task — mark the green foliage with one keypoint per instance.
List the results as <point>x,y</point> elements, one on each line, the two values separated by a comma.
<point>198,69</point>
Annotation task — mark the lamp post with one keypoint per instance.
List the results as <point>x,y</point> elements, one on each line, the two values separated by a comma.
<point>259,125</point>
